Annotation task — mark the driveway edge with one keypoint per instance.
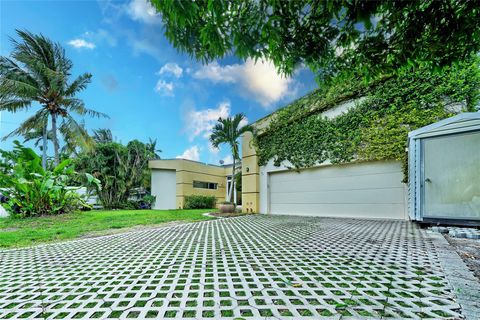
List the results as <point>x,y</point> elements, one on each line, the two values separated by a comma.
<point>466,287</point>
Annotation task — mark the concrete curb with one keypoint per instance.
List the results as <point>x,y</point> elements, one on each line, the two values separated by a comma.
<point>209,214</point>
<point>464,284</point>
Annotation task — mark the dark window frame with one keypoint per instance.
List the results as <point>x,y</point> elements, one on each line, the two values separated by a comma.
<point>205,185</point>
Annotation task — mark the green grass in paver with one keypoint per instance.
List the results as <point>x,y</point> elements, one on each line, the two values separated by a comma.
<point>225,303</point>
<point>208,314</point>
<point>29,314</point>
<point>31,231</point>
<point>246,313</point>
<point>115,314</point>
<point>170,314</point>
<point>152,314</point>
<point>189,314</point>
<point>266,312</point>
<point>226,313</point>
<point>285,313</point>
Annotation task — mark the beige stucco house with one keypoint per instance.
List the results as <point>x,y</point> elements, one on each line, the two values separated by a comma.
<point>173,179</point>
<point>371,189</point>
<point>359,189</point>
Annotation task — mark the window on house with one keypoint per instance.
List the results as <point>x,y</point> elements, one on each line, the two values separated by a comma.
<point>205,185</point>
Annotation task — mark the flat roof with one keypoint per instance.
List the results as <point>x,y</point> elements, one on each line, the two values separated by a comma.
<point>199,162</point>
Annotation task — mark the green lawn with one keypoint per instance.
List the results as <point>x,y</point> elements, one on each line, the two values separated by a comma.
<point>30,231</point>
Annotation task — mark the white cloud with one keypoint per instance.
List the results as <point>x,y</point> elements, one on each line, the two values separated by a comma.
<point>217,73</point>
<point>260,80</point>
<point>228,159</point>
<point>101,36</point>
<point>143,11</point>
<point>164,88</point>
<point>212,149</point>
<point>200,123</point>
<point>171,68</point>
<point>243,122</point>
<point>192,153</point>
<point>81,43</point>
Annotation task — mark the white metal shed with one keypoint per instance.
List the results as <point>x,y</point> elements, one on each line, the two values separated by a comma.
<point>444,171</point>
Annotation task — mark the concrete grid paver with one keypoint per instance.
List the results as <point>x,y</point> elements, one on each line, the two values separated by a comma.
<point>251,267</point>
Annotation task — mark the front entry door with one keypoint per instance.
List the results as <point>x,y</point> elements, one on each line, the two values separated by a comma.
<point>451,176</point>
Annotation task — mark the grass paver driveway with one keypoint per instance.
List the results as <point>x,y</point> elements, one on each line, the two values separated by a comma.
<point>250,267</point>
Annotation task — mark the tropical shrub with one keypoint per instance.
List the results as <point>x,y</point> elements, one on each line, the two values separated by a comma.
<point>146,202</point>
<point>119,168</point>
<point>31,190</point>
<point>199,202</point>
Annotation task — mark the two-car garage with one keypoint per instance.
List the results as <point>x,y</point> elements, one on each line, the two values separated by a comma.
<point>362,190</point>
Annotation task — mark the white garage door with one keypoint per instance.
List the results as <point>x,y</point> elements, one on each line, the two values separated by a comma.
<point>364,190</point>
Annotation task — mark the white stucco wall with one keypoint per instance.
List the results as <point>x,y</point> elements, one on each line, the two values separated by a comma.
<point>342,108</point>
<point>164,188</point>
<point>3,212</point>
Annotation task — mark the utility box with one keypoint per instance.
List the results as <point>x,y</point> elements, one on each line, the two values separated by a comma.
<point>444,171</point>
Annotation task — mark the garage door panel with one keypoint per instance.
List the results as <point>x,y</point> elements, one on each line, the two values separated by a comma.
<point>379,211</point>
<point>382,180</point>
<point>342,170</point>
<point>365,196</point>
<point>370,189</point>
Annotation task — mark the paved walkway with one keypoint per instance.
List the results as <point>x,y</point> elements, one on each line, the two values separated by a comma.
<point>251,267</point>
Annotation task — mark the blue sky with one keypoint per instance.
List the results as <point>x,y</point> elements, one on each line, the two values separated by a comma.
<point>143,83</point>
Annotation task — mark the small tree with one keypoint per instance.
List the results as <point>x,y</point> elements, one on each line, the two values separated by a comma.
<point>228,131</point>
<point>120,168</point>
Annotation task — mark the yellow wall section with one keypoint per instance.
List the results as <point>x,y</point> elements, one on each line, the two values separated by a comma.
<point>188,171</point>
<point>250,175</point>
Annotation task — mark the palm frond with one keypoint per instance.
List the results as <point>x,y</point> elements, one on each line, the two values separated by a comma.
<point>16,81</point>
<point>36,135</point>
<point>44,59</point>
<point>102,135</point>
<point>75,134</point>
<point>78,84</point>
<point>14,105</point>
<point>78,106</point>
<point>38,120</point>
<point>228,131</point>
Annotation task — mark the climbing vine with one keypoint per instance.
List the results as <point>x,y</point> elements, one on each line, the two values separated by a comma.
<point>377,127</point>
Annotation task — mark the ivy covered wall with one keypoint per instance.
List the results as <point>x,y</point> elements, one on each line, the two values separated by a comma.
<point>377,128</point>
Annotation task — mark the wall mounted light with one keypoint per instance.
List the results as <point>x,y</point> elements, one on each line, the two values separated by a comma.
<point>247,169</point>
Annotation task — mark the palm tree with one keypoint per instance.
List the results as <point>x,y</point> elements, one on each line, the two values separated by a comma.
<point>228,131</point>
<point>71,142</point>
<point>152,148</point>
<point>102,135</point>
<point>38,71</point>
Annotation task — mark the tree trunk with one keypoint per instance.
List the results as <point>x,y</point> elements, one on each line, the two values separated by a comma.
<point>44,147</point>
<point>232,185</point>
<point>55,139</point>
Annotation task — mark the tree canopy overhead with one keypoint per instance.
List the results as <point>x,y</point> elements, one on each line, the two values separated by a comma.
<point>349,37</point>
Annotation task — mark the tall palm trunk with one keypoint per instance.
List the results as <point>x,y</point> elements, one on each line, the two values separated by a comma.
<point>55,139</point>
<point>44,147</point>
<point>232,185</point>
